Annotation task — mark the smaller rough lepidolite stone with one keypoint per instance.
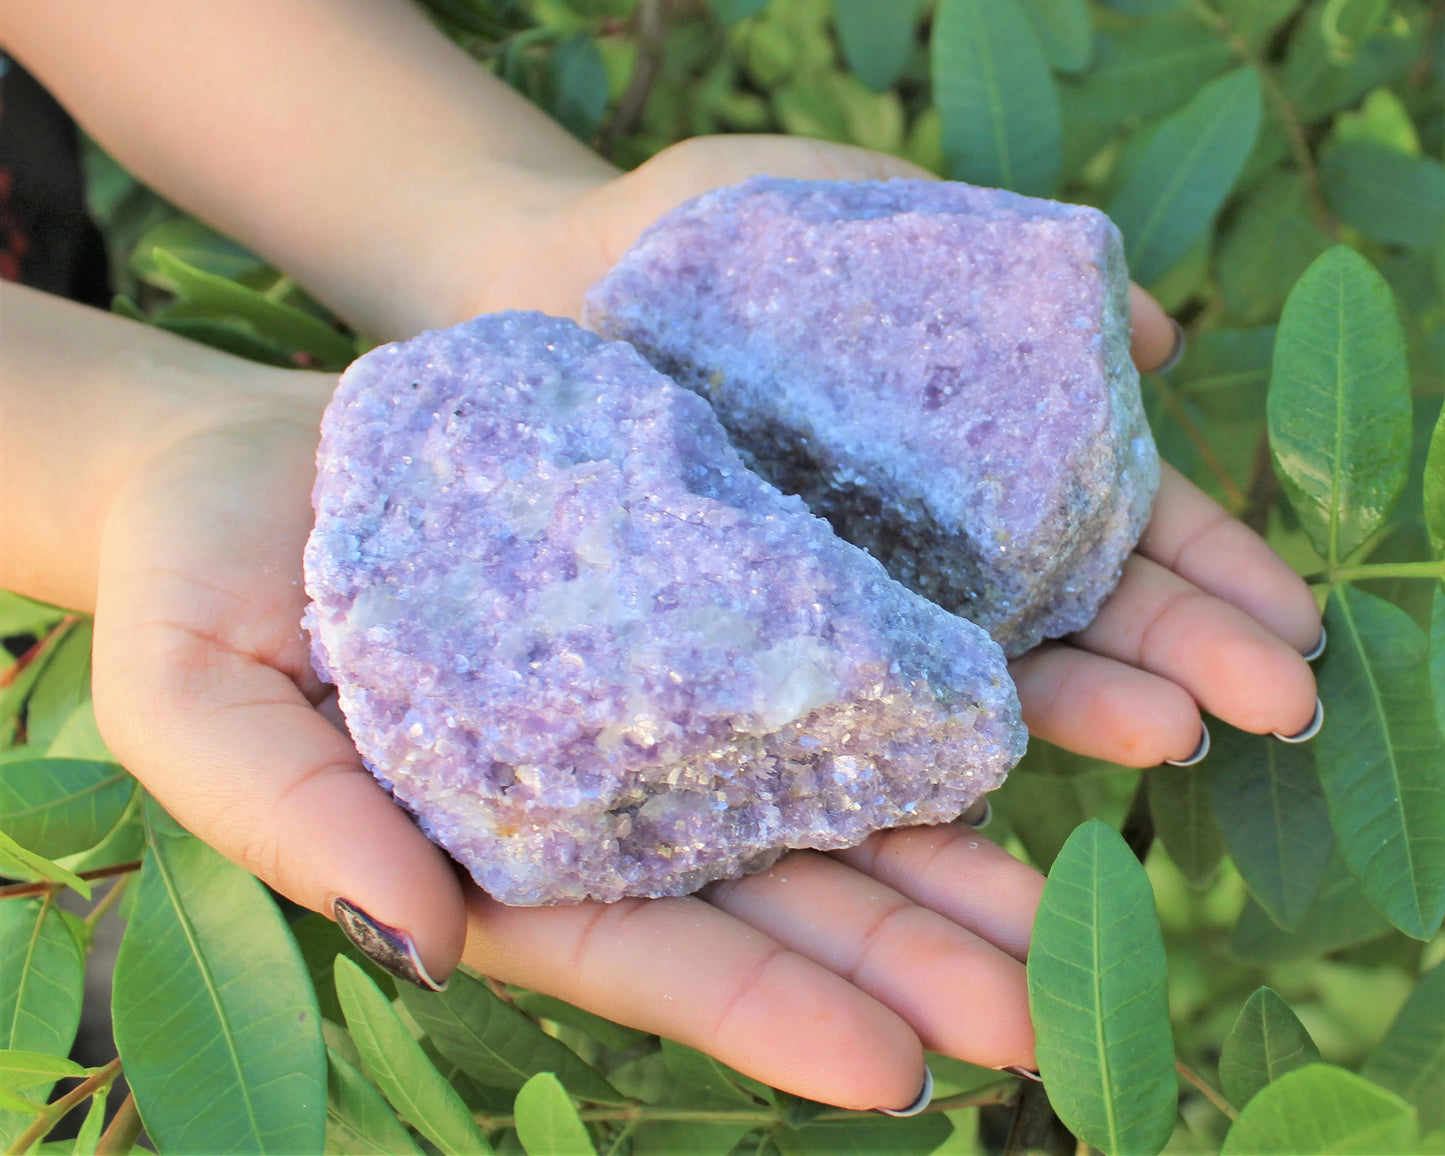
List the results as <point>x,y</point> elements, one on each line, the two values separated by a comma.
<point>942,371</point>
<point>593,653</point>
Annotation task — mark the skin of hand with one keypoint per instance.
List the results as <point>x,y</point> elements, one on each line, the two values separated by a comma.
<point>826,976</point>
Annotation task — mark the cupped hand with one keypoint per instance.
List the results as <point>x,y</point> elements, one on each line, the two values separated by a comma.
<point>826,976</point>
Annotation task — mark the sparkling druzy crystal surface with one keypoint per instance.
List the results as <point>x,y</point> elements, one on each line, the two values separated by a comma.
<point>940,370</point>
<point>593,653</point>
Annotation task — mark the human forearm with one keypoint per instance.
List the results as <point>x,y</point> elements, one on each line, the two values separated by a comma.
<point>370,157</point>
<point>84,399</point>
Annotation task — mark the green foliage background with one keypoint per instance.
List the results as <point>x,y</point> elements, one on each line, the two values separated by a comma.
<point>1275,166</point>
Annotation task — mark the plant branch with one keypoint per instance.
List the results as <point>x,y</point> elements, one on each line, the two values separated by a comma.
<point>651,17</point>
<point>109,900</point>
<point>1284,109</point>
<point>124,1130</point>
<point>46,887</point>
<point>1205,1088</point>
<point>57,1111</point>
<point>57,632</point>
<point>1337,574</point>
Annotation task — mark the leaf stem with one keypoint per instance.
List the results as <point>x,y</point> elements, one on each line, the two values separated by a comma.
<point>49,642</point>
<point>1337,574</point>
<point>1205,1088</point>
<point>109,900</point>
<point>123,1132</point>
<point>22,890</point>
<point>57,1111</point>
<point>1232,493</point>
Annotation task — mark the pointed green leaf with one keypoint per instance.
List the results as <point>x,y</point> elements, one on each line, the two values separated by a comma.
<point>495,1044</point>
<point>996,98</point>
<point>1266,1042</point>
<point>398,1066</point>
<point>1185,172</point>
<point>1184,820</point>
<point>877,38</point>
<point>1096,978</point>
<point>547,1123</point>
<point>321,941</point>
<point>197,245</point>
<point>42,981</point>
<point>579,85</point>
<point>1148,69</point>
<point>20,1070</point>
<point>1381,758</point>
<point>1339,402</point>
<point>1383,192</point>
<point>62,687</point>
<point>1271,807</point>
<point>1437,655</point>
<point>21,615</point>
<point>1435,482</point>
<point>1411,1060</point>
<point>358,1120</point>
<point>1064,32</point>
<point>19,863</point>
<point>609,1034</point>
<point>215,1018</point>
<point>272,320</point>
<point>89,1134</point>
<point>1325,1111</point>
<point>57,807</point>
<point>1339,917</point>
<point>14,696</point>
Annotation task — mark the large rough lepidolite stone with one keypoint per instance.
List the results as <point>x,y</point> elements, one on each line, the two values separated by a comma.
<point>593,653</point>
<point>940,370</point>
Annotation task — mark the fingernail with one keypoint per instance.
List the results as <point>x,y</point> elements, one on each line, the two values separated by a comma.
<point>1020,1070</point>
<point>1319,647</point>
<point>388,947</point>
<point>1176,355</point>
<point>1199,752</point>
<point>979,814</point>
<point>925,1097</point>
<point>1312,728</point>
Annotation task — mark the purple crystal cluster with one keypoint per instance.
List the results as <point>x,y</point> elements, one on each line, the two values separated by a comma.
<point>597,656</point>
<point>942,371</point>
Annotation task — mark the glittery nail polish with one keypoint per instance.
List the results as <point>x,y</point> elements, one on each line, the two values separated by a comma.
<point>389,947</point>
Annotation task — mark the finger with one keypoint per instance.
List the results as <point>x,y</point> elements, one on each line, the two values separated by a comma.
<point>1153,336</point>
<point>1233,666</point>
<point>962,995</point>
<point>236,754</point>
<point>1195,537</point>
<point>1103,708</point>
<point>690,972</point>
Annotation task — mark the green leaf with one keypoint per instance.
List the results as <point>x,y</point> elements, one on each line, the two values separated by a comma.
<point>1381,758</point>
<point>729,12</point>
<point>1435,484</point>
<point>865,1136</point>
<point>18,863</point>
<point>215,1019</point>
<point>1266,1042</point>
<point>57,807</point>
<point>1225,372</point>
<point>607,1033</point>
<point>197,245</point>
<point>1270,243</point>
<point>1437,656</point>
<point>1411,1059</point>
<point>1271,807</point>
<point>579,85</point>
<point>272,320</point>
<point>14,697</point>
<point>547,1123</point>
<point>1064,32</point>
<point>398,1066</point>
<point>227,336</point>
<point>1096,977</point>
<point>1317,83</point>
<point>1340,917</point>
<point>42,981</point>
<point>1148,69</point>
<point>999,108</point>
<point>1184,821</point>
<point>495,1044</point>
<point>20,1070</point>
<point>877,37</point>
<point>671,1137</point>
<point>1185,171</point>
<point>63,686</point>
<point>1339,402</point>
<point>20,615</point>
<point>1325,1111</point>
<point>1257,20</point>
<point>1384,193</point>
<point>321,941</point>
<point>358,1120</point>
<point>89,1134</point>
